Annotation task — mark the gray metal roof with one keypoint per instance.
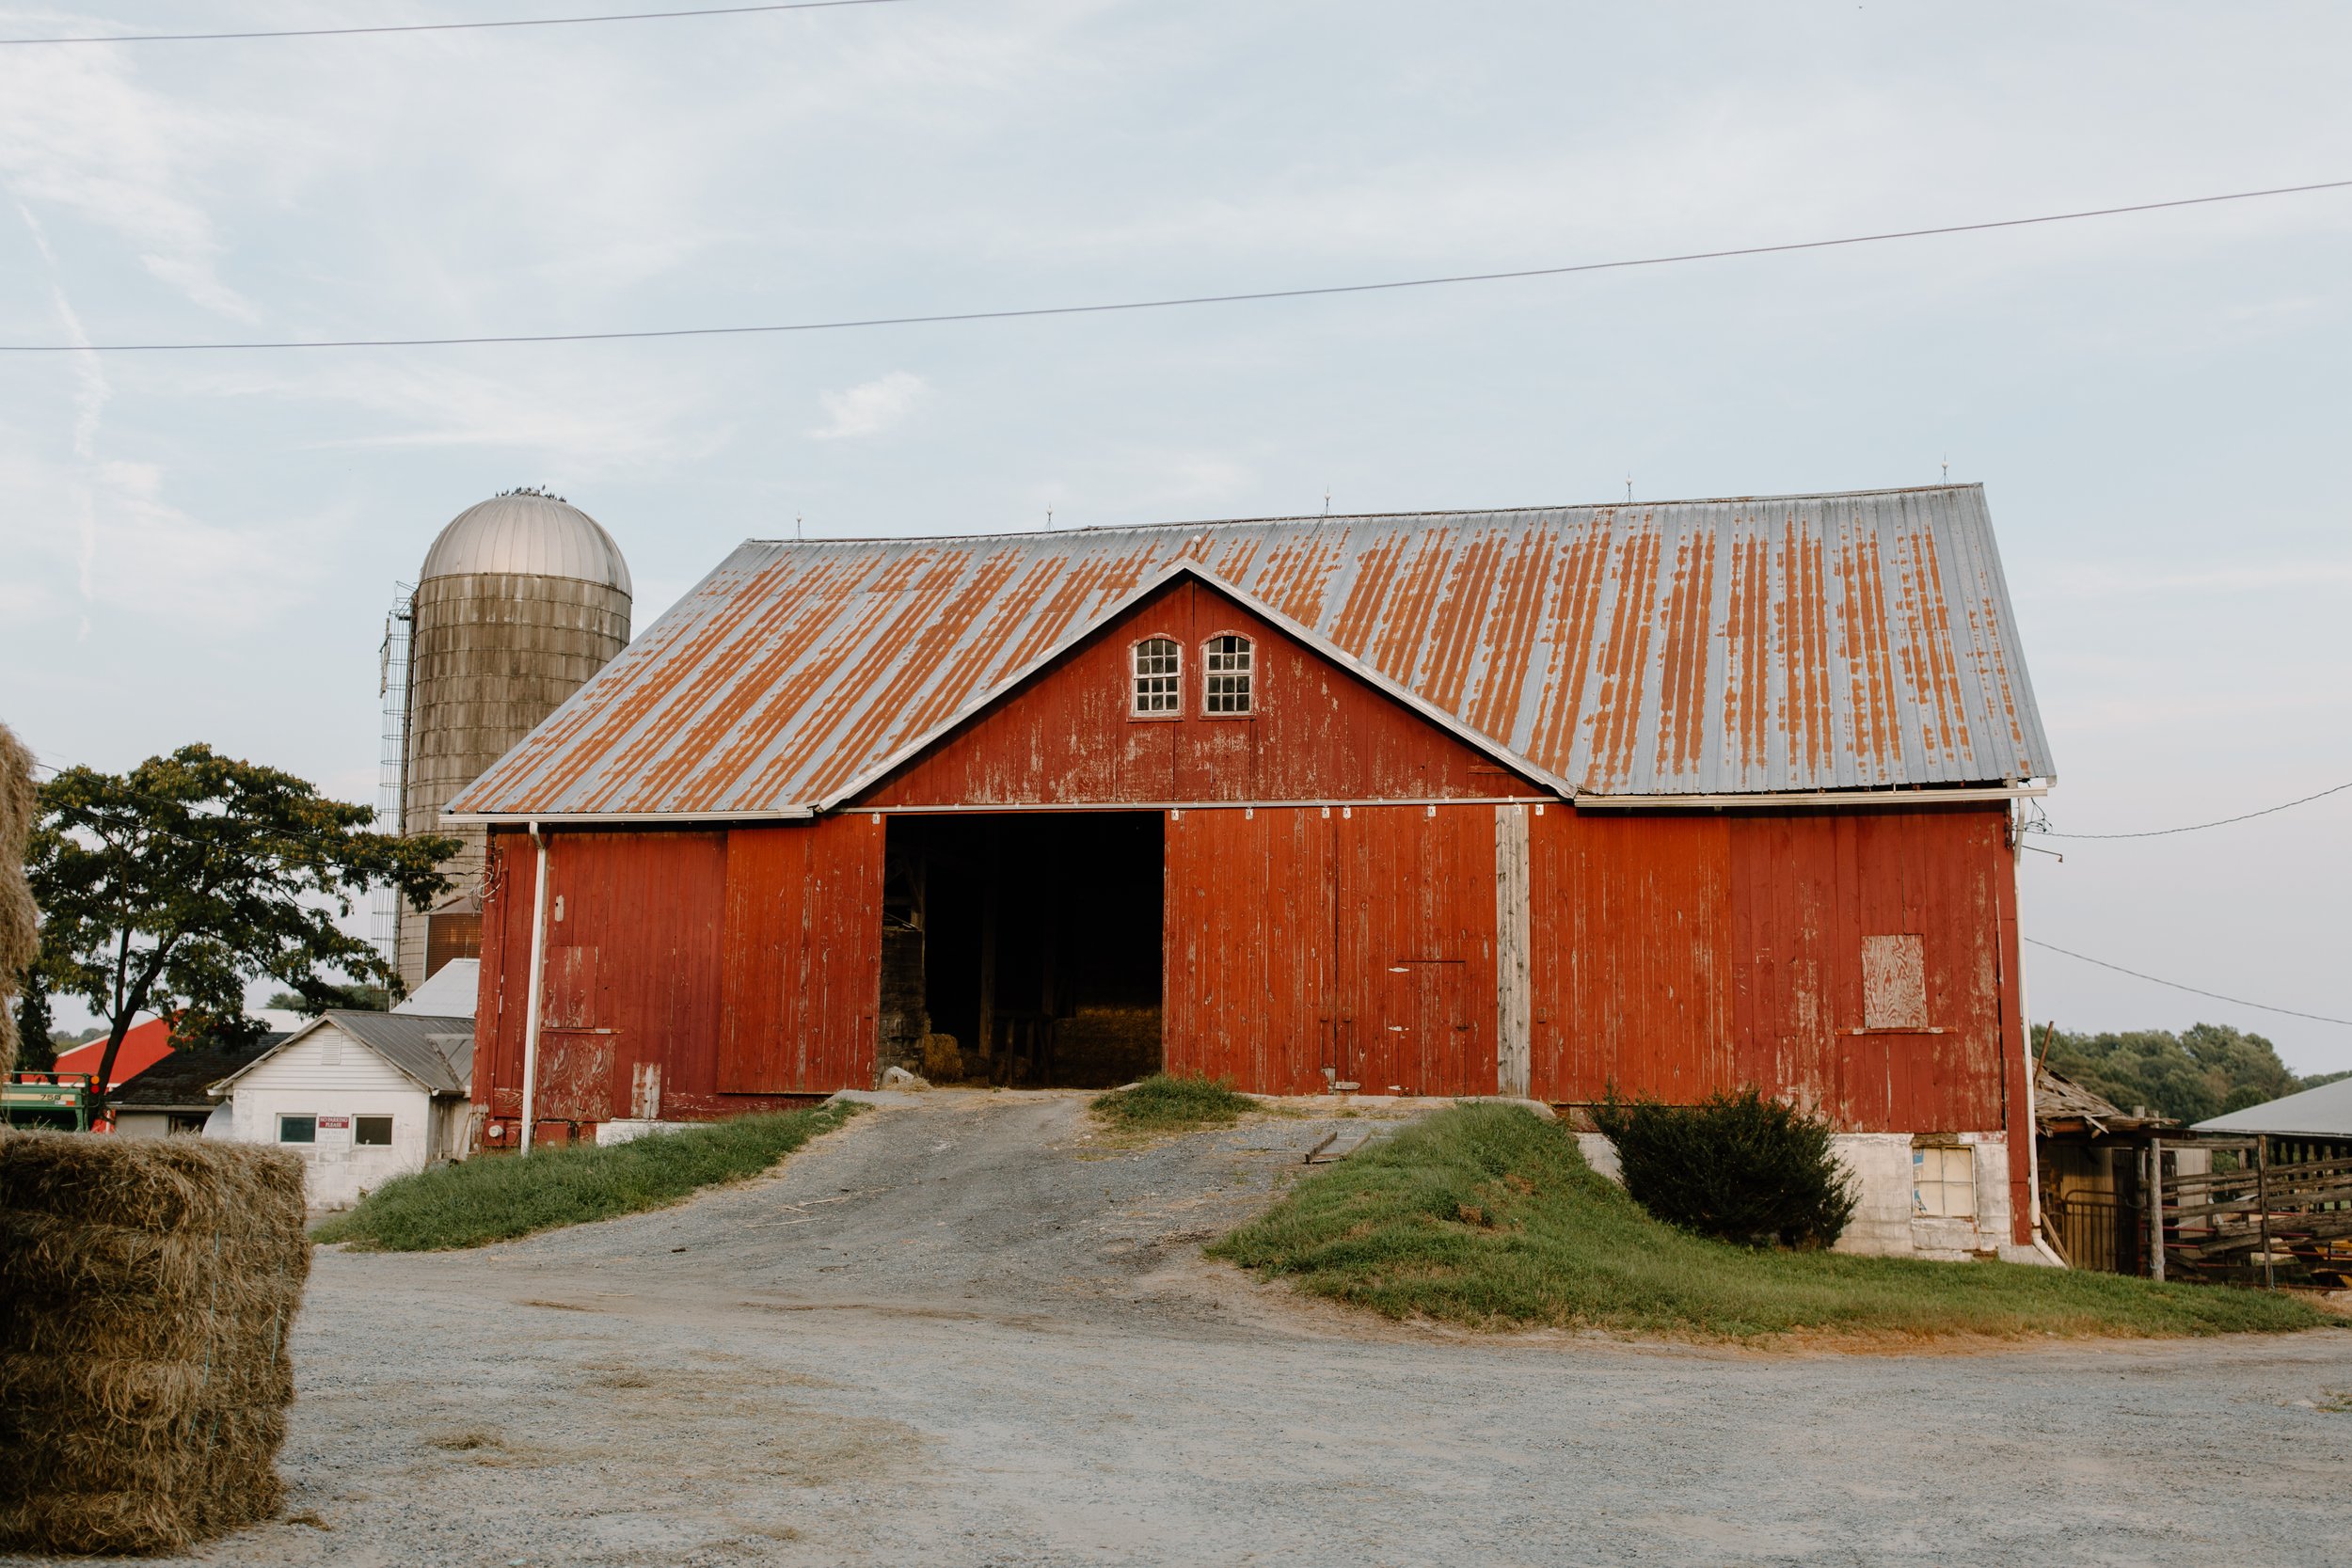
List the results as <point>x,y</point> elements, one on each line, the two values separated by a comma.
<point>1779,644</point>
<point>434,1050</point>
<point>449,991</point>
<point>529,535</point>
<point>2325,1112</point>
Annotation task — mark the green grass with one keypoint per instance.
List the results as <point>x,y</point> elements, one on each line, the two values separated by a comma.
<point>498,1198</point>
<point>1487,1215</point>
<point>1166,1104</point>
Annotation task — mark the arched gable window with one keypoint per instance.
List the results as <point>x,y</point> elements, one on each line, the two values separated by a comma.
<point>1229,662</point>
<point>1159,676</point>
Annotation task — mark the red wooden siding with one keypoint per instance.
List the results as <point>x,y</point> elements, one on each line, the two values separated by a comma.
<point>1306,938</point>
<point>508,871</point>
<point>629,978</point>
<point>1629,945</point>
<point>1318,733</point>
<point>666,950</point>
<point>1676,956</point>
<point>803,955</point>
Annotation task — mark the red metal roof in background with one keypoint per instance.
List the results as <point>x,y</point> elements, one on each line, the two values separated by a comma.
<point>143,1046</point>
<point>1753,645</point>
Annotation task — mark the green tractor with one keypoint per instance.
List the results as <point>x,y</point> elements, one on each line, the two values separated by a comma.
<point>60,1101</point>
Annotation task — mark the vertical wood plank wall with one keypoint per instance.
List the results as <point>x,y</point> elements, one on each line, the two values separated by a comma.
<point>1359,939</point>
<point>1676,956</point>
<point>737,966</point>
<point>1671,954</point>
<point>804,956</point>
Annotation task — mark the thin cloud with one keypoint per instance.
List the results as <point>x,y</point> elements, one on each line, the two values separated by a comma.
<point>79,134</point>
<point>870,407</point>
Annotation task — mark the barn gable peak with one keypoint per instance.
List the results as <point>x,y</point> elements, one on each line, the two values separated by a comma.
<point>1303,721</point>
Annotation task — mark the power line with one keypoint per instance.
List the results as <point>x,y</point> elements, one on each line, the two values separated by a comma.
<point>450,26</point>
<point>946,317</point>
<point>2235,1001</point>
<point>2201,827</point>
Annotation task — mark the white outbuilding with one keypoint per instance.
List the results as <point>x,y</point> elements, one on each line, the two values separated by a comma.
<point>362,1097</point>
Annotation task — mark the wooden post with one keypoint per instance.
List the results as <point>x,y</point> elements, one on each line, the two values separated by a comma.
<point>2155,1207</point>
<point>1513,918</point>
<point>2261,1204</point>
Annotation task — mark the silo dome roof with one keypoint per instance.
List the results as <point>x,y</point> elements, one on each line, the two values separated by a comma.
<point>530,534</point>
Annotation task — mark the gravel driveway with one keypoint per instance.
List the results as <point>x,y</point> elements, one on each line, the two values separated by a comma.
<point>963,1331</point>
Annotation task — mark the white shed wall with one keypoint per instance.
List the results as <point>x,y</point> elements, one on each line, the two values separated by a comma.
<point>328,1074</point>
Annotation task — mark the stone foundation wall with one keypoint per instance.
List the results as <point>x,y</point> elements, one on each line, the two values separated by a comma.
<point>1884,1223</point>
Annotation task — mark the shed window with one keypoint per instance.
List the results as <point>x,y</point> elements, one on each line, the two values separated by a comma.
<point>1944,1182</point>
<point>297,1129</point>
<point>1159,675</point>
<point>372,1132</point>
<point>1228,660</point>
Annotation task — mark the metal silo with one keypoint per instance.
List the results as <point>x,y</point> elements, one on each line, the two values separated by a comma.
<point>520,600</point>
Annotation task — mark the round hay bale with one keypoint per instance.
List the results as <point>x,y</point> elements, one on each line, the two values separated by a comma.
<point>147,1291</point>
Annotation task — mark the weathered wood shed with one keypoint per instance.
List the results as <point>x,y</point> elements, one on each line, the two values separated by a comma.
<point>1668,797</point>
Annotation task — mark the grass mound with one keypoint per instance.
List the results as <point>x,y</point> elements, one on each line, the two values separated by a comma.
<point>498,1198</point>
<point>1488,1215</point>
<point>1167,1103</point>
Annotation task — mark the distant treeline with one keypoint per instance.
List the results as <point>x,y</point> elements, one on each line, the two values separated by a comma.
<point>2207,1069</point>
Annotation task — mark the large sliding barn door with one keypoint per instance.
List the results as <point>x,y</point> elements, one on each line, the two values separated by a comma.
<point>1359,939</point>
<point>804,956</point>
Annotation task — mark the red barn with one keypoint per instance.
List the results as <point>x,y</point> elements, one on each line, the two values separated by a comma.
<point>1668,797</point>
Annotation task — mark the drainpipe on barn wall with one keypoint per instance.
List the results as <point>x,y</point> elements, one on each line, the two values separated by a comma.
<point>539,961</point>
<point>2025,1012</point>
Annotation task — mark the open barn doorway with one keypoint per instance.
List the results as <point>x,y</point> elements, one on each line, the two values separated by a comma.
<point>1024,948</point>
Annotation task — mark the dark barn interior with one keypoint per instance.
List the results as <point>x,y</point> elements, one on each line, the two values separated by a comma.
<point>1023,947</point>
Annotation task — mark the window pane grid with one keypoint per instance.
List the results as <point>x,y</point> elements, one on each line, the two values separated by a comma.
<point>1159,685</point>
<point>1228,661</point>
<point>1944,1183</point>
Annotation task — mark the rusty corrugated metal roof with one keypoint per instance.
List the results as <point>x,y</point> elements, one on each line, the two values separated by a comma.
<point>1743,646</point>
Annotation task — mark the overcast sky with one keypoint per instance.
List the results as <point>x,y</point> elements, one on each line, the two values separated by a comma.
<point>202,547</point>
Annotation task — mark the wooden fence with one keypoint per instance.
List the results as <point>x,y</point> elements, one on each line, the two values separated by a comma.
<point>2231,1210</point>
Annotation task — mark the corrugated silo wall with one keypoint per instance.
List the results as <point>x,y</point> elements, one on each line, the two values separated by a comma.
<point>490,654</point>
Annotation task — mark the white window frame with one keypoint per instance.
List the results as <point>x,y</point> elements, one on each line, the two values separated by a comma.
<point>311,1116</point>
<point>1247,675</point>
<point>1174,675</point>
<point>391,1127</point>
<point>1943,1182</point>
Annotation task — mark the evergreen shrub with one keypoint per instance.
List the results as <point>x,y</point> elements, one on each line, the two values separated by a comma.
<point>1738,1167</point>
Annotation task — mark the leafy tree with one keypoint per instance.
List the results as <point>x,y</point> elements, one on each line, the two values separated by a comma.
<point>2206,1070</point>
<point>170,888</point>
<point>361,999</point>
<point>37,1042</point>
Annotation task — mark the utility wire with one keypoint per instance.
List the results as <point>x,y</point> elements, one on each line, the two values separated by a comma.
<point>2201,827</point>
<point>2235,1001</point>
<point>450,26</point>
<point>1174,303</point>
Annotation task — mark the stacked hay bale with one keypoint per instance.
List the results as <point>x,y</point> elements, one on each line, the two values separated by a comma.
<point>20,934</point>
<point>146,1289</point>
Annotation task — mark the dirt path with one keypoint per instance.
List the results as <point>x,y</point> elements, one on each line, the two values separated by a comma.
<point>964,1332</point>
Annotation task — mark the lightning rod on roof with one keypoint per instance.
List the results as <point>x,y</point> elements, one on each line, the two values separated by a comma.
<point>1628,487</point>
